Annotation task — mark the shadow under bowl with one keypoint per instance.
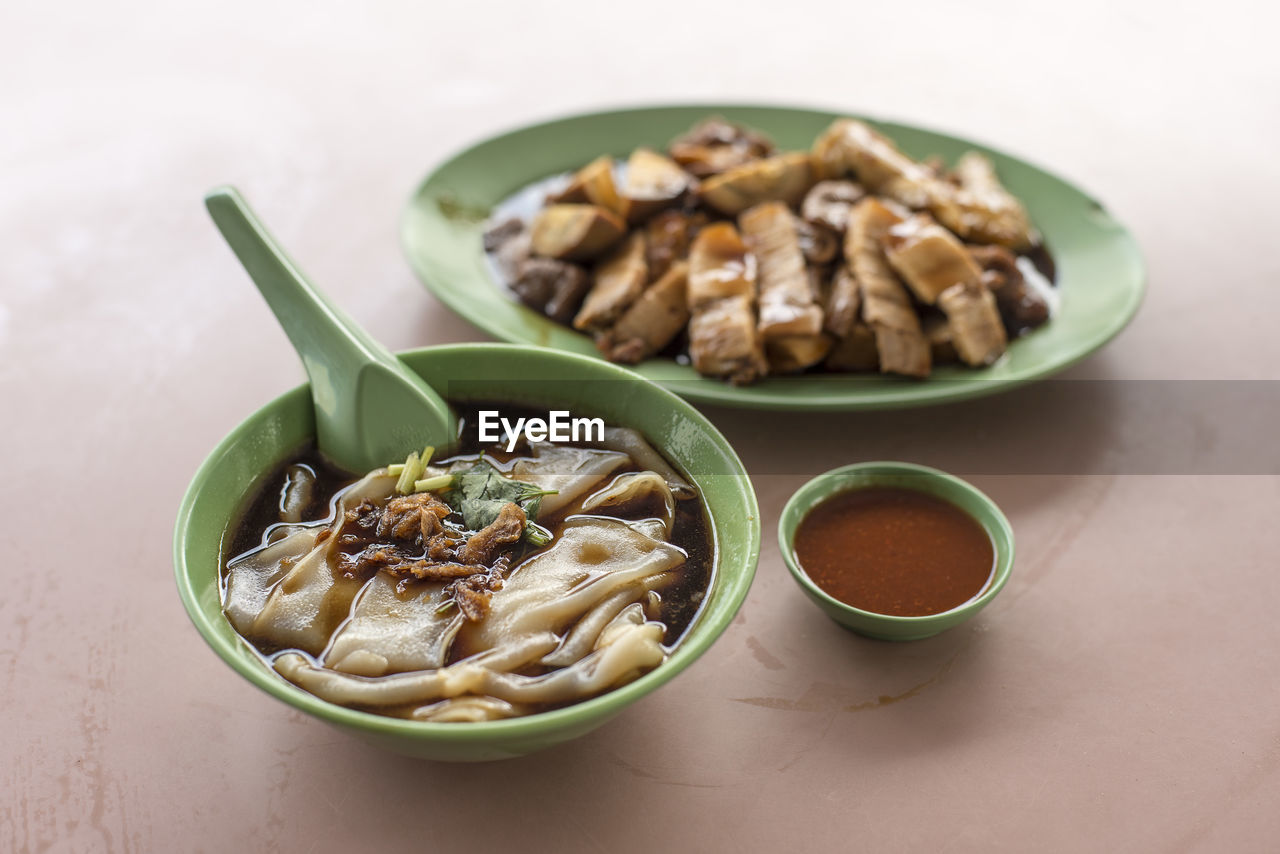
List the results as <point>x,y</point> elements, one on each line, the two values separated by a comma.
<point>904,476</point>
<point>530,376</point>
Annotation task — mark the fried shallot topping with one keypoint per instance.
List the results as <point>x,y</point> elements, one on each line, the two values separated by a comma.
<point>405,515</point>
<point>483,545</point>
<point>472,594</point>
<point>410,539</point>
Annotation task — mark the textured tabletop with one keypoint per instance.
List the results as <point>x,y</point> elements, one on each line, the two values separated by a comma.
<point>1120,694</point>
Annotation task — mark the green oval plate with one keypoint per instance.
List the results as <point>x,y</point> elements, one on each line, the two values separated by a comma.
<point>1100,270</point>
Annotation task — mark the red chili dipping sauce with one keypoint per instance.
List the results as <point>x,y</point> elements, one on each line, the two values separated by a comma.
<point>894,551</point>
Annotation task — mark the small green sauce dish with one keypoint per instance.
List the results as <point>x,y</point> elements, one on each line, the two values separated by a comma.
<point>903,476</point>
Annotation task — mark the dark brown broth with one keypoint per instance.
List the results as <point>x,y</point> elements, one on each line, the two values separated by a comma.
<point>263,510</point>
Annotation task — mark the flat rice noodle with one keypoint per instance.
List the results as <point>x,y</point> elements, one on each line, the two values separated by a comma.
<point>307,604</point>
<point>634,445</point>
<point>467,710</point>
<point>469,676</point>
<point>251,577</point>
<point>625,650</point>
<point>636,491</point>
<point>291,594</point>
<point>300,486</point>
<point>391,632</point>
<point>572,472</point>
<point>585,634</point>
<point>591,559</point>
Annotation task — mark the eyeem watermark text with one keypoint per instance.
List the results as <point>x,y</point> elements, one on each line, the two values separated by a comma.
<point>558,426</point>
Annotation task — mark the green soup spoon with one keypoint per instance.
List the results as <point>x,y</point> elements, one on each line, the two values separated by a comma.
<point>370,409</point>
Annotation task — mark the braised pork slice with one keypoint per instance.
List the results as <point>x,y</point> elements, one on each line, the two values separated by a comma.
<point>938,330</point>
<point>571,287</point>
<point>714,145</point>
<point>869,222</point>
<point>555,288</point>
<point>976,207</point>
<point>901,352</point>
<point>982,210</point>
<point>720,266</point>
<point>619,280</point>
<point>851,146</point>
<point>976,328</point>
<point>653,182</point>
<point>724,341</point>
<point>784,177</point>
<point>855,351</point>
<point>670,234</point>
<point>1021,306</point>
<point>574,232</point>
<point>790,321</point>
<point>592,184</point>
<point>598,185</point>
<point>787,354</point>
<point>572,193</point>
<point>510,244</point>
<point>928,257</point>
<point>819,243</point>
<point>786,299</point>
<point>886,306</point>
<point>500,233</point>
<point>830,201</point>
<point>652,321</point>
<point>535,281</point>
<point>820,277</point>
<point>844,303</point>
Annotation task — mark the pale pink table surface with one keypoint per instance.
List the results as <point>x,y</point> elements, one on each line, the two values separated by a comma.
<point>1121,694</point>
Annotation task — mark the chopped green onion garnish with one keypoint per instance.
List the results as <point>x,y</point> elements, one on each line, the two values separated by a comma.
<point>431,484</point>
<point>536,534</point>
<point>413,469</point>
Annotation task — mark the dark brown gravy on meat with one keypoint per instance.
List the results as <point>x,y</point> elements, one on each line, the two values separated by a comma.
<point>894,551</point>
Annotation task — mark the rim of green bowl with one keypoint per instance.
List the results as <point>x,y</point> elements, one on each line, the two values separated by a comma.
<point>837,480</point>
<point>700,636</point>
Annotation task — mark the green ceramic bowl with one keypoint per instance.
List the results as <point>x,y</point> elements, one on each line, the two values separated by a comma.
<point>906,476</point>
<point>1100,271</point>
<point>235,469</point>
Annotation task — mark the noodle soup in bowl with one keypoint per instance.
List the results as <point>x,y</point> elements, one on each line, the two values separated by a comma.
<point>611,648</point>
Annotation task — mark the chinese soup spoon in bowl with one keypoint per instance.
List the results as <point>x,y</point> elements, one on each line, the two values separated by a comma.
<point>370,409</point>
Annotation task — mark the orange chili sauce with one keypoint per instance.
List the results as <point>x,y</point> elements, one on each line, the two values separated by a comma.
<point>894,551</point>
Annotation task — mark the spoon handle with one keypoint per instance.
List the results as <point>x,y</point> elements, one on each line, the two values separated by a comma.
<point>319,330</point>
<point>370,408</point>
